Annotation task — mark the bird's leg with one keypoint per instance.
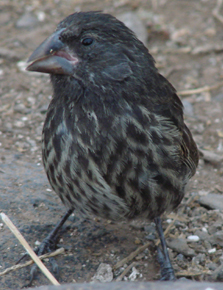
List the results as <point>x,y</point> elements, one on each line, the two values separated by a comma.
<point>167,272</point>
<point>47,245</point>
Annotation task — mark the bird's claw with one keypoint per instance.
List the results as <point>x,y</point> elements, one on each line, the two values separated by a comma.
<point>33,272</point>
<point>47,246</point>
<point>167,275</point>
<point>166,269</point>
<point>55,266</point>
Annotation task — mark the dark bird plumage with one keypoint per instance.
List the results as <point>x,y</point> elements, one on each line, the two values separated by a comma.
<point>114,140</point>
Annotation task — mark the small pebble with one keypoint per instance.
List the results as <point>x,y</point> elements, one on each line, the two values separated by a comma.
<point>193,238</point>
<point>214,159</point>
<point>211,266</point>
<point>20,108</point>
<point>207,245</point>
<point>134,274</point>
<point>41,16</point>
<point>104,273</point>
<point>150,237</point>
<point>150,229</point>
<point>37,243</point>
<point>19,124</point>
<point>212,251</point>
<point>180,257</point>
<point>199,259</point>
<point>217,238</point>
<point>217,275</point>
<point>215,227</point>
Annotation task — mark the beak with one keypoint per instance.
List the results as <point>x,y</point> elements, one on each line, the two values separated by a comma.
<point>53,57</point>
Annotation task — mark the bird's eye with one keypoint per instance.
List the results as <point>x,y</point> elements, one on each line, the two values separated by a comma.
<point>87,41</point>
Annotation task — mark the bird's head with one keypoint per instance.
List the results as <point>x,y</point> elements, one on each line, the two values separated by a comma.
<point>92,47</point>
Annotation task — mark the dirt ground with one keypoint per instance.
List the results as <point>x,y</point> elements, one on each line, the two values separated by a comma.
<point>186,40</point>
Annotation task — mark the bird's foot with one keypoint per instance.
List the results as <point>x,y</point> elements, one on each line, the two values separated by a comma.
<point>166,269</point>
<point>47,246</point>
<point>167,272</point>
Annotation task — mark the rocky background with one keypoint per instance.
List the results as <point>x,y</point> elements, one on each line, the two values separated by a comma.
<point>186,40</point>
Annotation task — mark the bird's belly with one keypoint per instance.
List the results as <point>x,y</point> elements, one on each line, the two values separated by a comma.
<point>80,184</point>
<point>77,180</point>
<point>110,178</point>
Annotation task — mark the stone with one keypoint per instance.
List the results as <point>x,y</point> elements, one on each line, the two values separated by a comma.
<point>104,273</point>
<point>212,201</point>
<point>180,246</point>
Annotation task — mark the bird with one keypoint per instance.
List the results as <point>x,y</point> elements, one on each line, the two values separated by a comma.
<point>114,141</point>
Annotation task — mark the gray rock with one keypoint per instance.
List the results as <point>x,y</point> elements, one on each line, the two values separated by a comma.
<point>212,266</point>
<point>211,157</point>
<point>207,245</point>
<point>180,257</point>
<point>151,229</point>
<point>212,201</point>
<point>104,273</point>
<point>204,236</point>
<point>21,108</point>
<point>215,227</point>
<point>150,237</point>
<point>217,239</point>
<point>199,259</point>
<point>181,261</point>
<point>180,246</point>
<point>217,275</point>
